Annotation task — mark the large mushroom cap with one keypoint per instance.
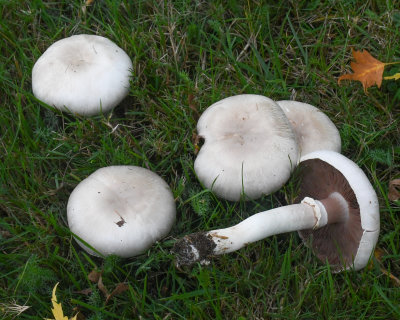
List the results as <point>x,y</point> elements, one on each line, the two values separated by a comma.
<point>121,210</point>
<point>348,243</point>
<point>249,147</point>
<point>83,74</point>
<point>313,128</point>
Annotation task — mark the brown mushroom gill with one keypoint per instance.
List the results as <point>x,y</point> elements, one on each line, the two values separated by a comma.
<point>343,236</point>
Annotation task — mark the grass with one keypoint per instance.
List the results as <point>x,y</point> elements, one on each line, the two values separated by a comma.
<point>187,55</point>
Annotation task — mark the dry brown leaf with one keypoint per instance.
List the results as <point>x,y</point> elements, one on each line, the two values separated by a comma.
<point>102,287</point>
<point>94,276</point>
<point>121,287</point>
<point>394,190</point>
<point>367,70</point>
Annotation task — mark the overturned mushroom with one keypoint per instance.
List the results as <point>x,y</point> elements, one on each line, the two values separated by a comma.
<point>313,128</point>
<point>83,74</point>
<point>338,216</point>
<point>121,210</point>
<point>247,138</point>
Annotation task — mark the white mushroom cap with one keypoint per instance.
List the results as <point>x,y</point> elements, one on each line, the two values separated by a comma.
<point>353,240</point>
<point>249,147</point>
<point>313,128</point>
<point>121,210</point>
<point>83,74</point>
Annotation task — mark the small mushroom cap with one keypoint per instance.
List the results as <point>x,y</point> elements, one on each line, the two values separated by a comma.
<point>83,74</point>
<point>249,147</point>
<point>121,210</point>
<point>347,244</point>
<point>313,128</point>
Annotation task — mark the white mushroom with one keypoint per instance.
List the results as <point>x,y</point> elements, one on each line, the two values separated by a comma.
<point>249,147</point>
<point>313,128</point>
<point>121,210</point>
<point>338,216</point>
<point>83,74</point>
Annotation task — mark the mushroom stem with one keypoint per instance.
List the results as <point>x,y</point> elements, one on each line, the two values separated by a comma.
<point>309,214</point>
<point>336,207</point>
<point>198,247</point>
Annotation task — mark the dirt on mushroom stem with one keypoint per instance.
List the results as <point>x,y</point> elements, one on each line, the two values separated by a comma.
<point>196,247</point>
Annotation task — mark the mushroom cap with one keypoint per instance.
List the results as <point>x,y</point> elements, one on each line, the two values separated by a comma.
<point>347,244</point>
<point>313,128</point>
<point>83,74</point>
<point>249,147</point>
<point>121,210</point>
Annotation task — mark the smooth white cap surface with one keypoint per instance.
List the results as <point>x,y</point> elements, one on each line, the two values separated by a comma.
<point>249,147</point>
<point>313,128</point>
<point>121,210</point>
<point>366,198</point>
<point>83,74</point>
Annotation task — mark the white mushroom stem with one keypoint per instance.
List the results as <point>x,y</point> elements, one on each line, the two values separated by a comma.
<point>309,214</point>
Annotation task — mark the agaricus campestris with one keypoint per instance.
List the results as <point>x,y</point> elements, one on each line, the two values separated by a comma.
<point>249,147</point>
<point>83,74</point>
<point>121,210</point>
<point>338,216</point>
<point>313,128</point>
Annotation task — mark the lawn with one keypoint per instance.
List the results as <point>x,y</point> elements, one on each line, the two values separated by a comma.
<point>187,55</point>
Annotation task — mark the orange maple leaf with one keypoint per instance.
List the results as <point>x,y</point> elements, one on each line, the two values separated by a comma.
<point>367,70</point>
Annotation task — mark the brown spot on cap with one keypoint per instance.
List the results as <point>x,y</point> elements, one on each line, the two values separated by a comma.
<point>121,222</point>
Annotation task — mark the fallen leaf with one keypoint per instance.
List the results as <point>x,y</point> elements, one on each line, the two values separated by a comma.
<point>367,70</point>
<point>121,287</point>
<point>102,287</point>
<point>57,307</point>
<point>79,315</point>
<point>94,276</point>
<point>394,190</point>
<point>393,77</point>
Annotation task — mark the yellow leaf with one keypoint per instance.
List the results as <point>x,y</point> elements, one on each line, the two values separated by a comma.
<point>393,77</point>
<point>57,307</point>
